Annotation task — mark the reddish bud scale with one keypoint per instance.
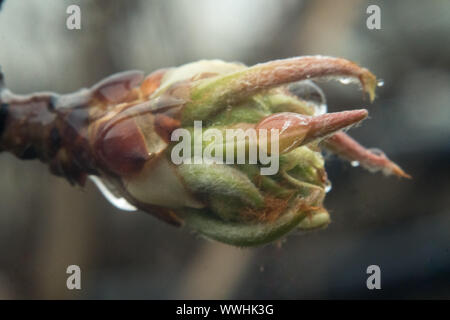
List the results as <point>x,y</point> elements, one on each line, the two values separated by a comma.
<point>121,147</point>
<point>346,147</point>
<point>297,129</point>
<point>152,82</point>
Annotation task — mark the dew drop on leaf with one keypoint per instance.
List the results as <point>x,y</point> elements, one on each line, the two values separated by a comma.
<point>345,80</point>
<point>118,202</point>
<point>328,186</point>
<point>311,93</point>
<point>354,163</point>
<point>377,152</point>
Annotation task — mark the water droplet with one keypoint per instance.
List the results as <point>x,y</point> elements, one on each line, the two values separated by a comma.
<point>328,186</point>
<point>346,80</point>
<point>380,83</point>
<point>308,91</point>
<point>118,202</point>
<point>377,152</point>
<point>320,109</point>
<point>354,163</point>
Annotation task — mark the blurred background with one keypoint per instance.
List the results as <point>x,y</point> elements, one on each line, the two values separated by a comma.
<point>402,226</point>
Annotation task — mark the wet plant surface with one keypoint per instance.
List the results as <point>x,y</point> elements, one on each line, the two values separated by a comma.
<point>402,226</point>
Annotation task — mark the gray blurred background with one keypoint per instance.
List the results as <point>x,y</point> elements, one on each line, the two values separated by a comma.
<point>402,226</point>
